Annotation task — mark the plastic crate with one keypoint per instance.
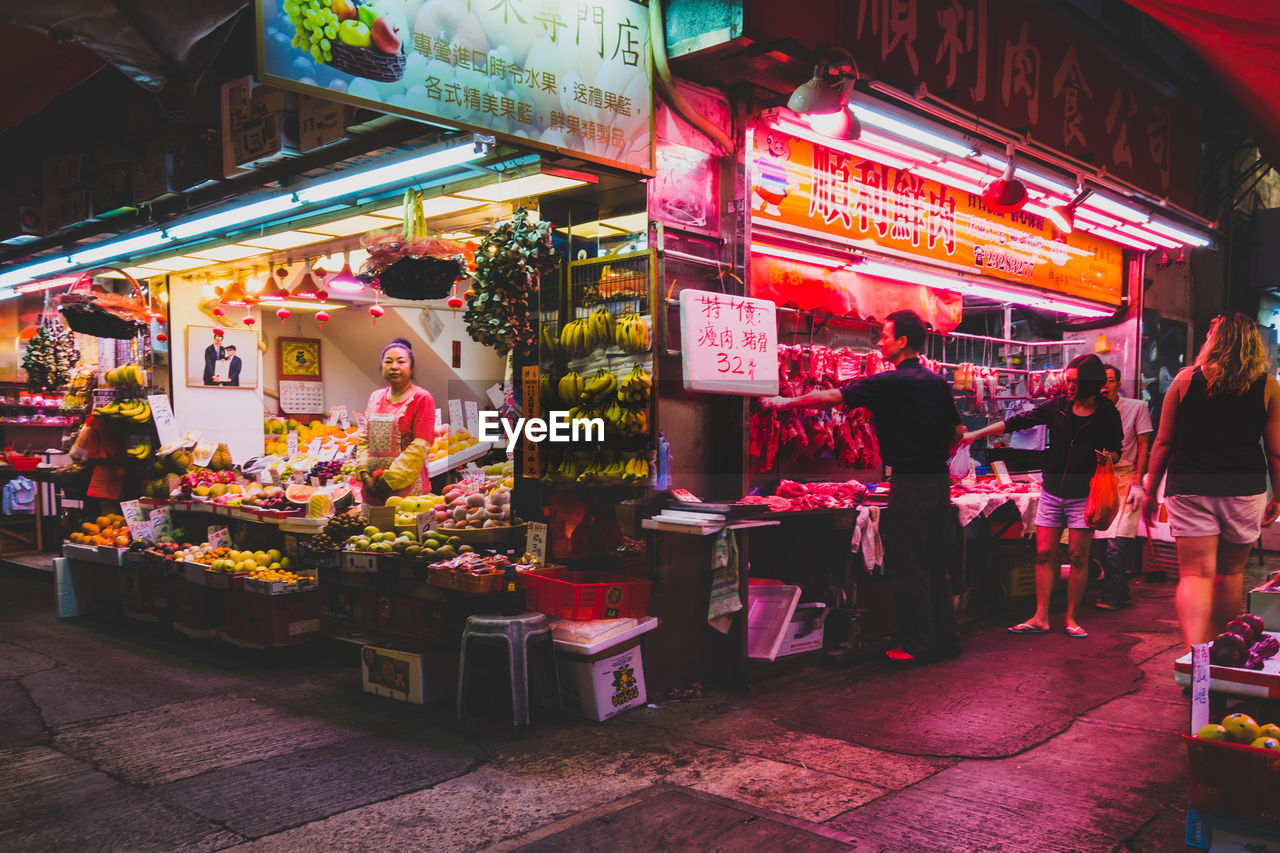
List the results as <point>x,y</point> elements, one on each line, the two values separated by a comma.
<point>1234,780</point>
<point>584,596</point>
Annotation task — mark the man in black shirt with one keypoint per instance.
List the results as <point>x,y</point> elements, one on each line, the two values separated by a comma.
<point>918,427</point>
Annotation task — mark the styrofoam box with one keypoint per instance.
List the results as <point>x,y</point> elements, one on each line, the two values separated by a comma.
<point>1265,604</point>
<point>804,631</point>
<point>769,609</point>
<point>407,676</point>
<point>605,684</point>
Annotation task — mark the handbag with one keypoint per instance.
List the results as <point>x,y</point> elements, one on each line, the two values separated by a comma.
<point>101,314</point>
<point>1104,496</point>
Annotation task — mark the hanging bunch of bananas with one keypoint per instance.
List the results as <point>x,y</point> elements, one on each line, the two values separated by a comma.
<point>141,450</point>
<point>634,422</point>
<point>138,411</point>
<point>633,390</point>
<point>602,326</point>
<point>570,388</point>
<point>546,390</point>
<point>599,388</point>
<point>548,341</point>
<point>636,469</point>
<point>631,334</point>
<point>583,413</point>
<point>576,339</point>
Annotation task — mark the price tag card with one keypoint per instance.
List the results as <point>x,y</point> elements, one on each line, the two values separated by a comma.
<point>313,449</point>
<point>426,521</point>
<point>495,395</point>
<point>219,537</point>
<point>293,443</point>
<point>1002,472</point>
<point>162,416</point>
<point>266,477</point>
<point>439,418</point>
<point>132,512</point>
<point>362,423</point>
<point>383,517</point>
<point>1199,686</point>
<point>337,415</point>
<point>472,474</point>
<point>328,454</point>
<point>455,416</point>
<point>535,542</point>
<point>472,416</point>
<point>161,523</point>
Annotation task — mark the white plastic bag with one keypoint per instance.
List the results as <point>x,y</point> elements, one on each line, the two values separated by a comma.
<point>961,462</point>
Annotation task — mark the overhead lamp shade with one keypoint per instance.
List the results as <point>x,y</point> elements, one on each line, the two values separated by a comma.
<point>307,288</point>
<point>1063,216</point>
<point>1005,194</point>
<point>235,294</point>
<point>272,291</point>
<point>345,281</point>
<point>820,95</point>
<point>842,124</point>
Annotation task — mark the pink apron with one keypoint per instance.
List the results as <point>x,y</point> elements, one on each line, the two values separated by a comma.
<point>387,441</point>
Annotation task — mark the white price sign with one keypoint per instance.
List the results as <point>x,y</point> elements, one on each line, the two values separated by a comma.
<point>1199,686</point>
<point>426,521</point>
<point>728,344</point>
<point>219,537</point>
<point>162,415</point>
<point>535,542</point>
<point>136,518</point>
<point>293,443</point>
<point>455,415</point>
<point>472,416</point>
<point>313,449</point>
<point>161,523</point>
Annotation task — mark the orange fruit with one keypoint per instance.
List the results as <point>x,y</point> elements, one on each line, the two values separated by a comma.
<point>91,529</point>
<point>104,521</point>
<point>122,541</point>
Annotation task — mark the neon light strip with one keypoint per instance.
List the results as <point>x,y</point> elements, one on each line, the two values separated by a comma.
<point>1188,237</point>
<point>874,116</point>
<point>1116,236</point>
<point>1098,201</point>
<point>1150,236</point>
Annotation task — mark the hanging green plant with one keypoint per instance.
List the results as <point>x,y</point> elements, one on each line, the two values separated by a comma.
<point>509,263</point>
<point>51,355</point>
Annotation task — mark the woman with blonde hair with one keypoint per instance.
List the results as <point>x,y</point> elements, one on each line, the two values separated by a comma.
<point>1219,440</point>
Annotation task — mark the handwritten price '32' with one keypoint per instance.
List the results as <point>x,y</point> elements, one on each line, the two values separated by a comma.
<point>726,363</point>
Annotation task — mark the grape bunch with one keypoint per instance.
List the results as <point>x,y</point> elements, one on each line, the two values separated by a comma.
<point>348,467</point>
<point>315,27</point>
<point>325,470</point>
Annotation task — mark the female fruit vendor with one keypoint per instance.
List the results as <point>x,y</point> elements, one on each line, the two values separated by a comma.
<point>1083,425</point>
<point>402,421</point>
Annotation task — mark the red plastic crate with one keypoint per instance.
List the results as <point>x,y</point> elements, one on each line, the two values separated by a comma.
<point>583,596</point>
<point>1234,780</point>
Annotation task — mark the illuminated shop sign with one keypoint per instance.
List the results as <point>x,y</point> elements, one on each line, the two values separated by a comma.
<point>808,188</point>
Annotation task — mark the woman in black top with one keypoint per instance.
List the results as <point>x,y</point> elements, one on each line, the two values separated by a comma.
<point>1219,439</point>
<point>1083,425</point>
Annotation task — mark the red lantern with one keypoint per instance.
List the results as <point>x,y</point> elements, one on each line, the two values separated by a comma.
<point>455,301</point>
<point>248,320</point>
<point>218,311</point>
<point>376,311</point>
<point>322,317</point>
<point>282,313</point>
<point>161,337</point>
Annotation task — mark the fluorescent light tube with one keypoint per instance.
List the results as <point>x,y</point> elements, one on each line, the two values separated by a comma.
<point>30,271</point>
<point>370,179</point>
<point>884,120</point>
<point>1188,237</point>
<point>117,248</point>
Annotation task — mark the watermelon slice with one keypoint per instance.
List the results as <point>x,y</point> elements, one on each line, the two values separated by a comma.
<point>299,493</point>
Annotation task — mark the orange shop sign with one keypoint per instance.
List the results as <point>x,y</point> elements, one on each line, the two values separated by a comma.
<point>811,189</point>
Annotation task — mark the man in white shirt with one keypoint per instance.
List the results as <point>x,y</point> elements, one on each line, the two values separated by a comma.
<point>1135,421</point>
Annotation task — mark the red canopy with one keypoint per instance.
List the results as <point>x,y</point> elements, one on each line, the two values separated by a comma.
<point>1240,42</point>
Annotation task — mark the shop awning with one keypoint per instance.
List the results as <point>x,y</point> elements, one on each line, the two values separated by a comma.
<point>1240,42</point>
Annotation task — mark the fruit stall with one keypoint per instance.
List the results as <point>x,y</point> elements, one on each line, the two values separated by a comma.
<point>1234,760</point>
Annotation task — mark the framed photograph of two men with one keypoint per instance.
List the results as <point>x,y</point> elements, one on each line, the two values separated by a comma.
<point>221,358</point>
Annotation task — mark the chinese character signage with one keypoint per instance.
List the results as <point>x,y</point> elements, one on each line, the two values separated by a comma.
<point>830,193</point>
<point>559,74</point>
<point>729,344</point>
<point>1022,66</point>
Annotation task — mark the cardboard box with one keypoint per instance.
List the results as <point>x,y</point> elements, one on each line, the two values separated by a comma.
<point>605,684</point>
<point>769,610</point>
<point>1265,604</point>
<point>197,607</point>
<point>259,125</point>
<point>804,632</point>
<point>273,620</point>
<point>321,122</point>
<point>358,561</point>
<point>408,676</point>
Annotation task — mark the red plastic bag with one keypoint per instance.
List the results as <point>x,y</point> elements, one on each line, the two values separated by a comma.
<point>1104,496</point>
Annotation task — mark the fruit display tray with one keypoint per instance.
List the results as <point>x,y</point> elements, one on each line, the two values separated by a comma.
<point>453,460</point>
<point>465,581</point>
<point>1263,682</point>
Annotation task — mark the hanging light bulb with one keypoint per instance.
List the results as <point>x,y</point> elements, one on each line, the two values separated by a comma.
<point>345,281</point>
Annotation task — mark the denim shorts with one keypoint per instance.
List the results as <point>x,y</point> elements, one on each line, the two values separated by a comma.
<point>1237,519</point>
<point>1054,511</point>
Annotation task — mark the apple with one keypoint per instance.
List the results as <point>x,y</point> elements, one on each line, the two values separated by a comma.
<point>367,14</point>
<point>385,37</point>
<point>354,33</point>
<point>344,9</point>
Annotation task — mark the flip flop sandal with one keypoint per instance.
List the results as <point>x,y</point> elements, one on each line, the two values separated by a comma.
<point>1025,628</point>
<point>1077,632</point>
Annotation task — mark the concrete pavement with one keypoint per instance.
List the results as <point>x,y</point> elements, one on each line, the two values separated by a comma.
<point>120,738</point>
